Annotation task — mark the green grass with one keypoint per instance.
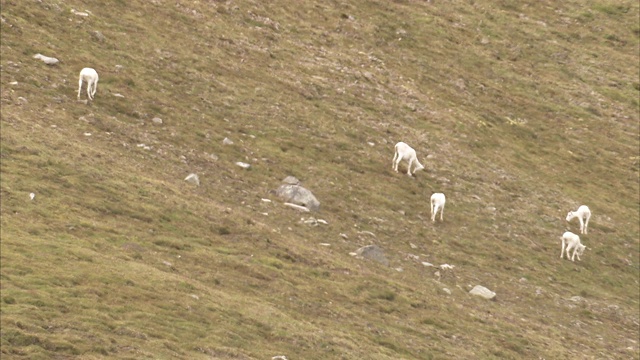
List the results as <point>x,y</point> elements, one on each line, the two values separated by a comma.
<point>528,110</point>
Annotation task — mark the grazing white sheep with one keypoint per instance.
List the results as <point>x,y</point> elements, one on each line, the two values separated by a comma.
<point>583,214</point>
<point>90,76</point>
<point>437,203</point>
<point>572,241</point>
<point>406,152</point>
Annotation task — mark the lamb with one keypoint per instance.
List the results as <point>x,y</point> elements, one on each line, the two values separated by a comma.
<point>583,214</point>
<point>90,76</point>
<point>572,241</point>
<point>406,152</point>
<point>437,203</point>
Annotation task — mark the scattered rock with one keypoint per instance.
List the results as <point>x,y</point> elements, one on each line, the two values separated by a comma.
<point>156,120</point>
<point>447,267</point>
<point>98,36</point>
<point>483,292</point>
<point>46,59</point>
<point>243,165</point>
<point>227,141</point>
<point>79,13</point>
<point>279,357</point>
<point>193,178</point>
<point>291,180</point>
<point>446,291</point>
<point>32,196</point>
<point>297,207</point>
<point>427,264</point>
<point>344,236</point>
<point>373,252</point>
<point>577,299</point>
<point>119,67</point>
<point>266,200</point>
<point>195,296</point>
<point>118,95</point>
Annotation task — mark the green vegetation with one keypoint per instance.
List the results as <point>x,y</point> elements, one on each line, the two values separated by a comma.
<point>528,108</point>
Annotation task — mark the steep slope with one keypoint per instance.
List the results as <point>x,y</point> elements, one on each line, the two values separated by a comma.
<point>525,110</point>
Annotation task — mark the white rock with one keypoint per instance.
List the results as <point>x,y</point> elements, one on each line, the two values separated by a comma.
<point>447,267</point>
<point>325,244</point>
<point>118,95</point>
<point>227,141</point>
<point>193,178</point>
<point>87,134</point>
<point>266,200</point>
<point>344,236</point>
<point>13,83</point>
<point>483,292</point>
<point>32,196</point>
<point>156,120</point>
<point>279,357</point>
<point>427,263</point>
<point>297,207</point>
<point>243,165</point>
<point>447,291</point>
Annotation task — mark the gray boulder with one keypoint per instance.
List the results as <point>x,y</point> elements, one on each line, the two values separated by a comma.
<point>298,195</point>
<point>373,252</point>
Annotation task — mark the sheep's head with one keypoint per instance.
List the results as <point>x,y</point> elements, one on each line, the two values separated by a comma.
<point>570,216</point>
<point>581,249</point>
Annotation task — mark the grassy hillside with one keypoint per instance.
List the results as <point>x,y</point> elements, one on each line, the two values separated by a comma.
<point>520,111</point>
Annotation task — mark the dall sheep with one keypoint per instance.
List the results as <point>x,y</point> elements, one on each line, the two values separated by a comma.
<point>406,152</point>
<point>90,76</point>
<point>437,203</point>
<point>583,214</point>
<point>572,241</point>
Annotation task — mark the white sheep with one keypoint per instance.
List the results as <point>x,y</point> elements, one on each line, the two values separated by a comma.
<point>406,152</point>
<point>90,76</point>
<point>583,214</point>
<point>437,203</point>
<point>572,241</point>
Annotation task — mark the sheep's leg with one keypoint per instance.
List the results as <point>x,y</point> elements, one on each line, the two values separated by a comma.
<point>432,209</point>
<point>581,225</point>
<point>94,88</point>
<point>409,167</point>
<point>575,250</point>
<point>79,88</point>
<point>441,212</point>
<point>562,251</point>
<point>586,224</point>
<point>396,161</point>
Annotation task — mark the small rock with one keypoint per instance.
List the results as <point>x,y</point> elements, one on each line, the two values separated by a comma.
<point>98,35</point>
<point>483,292</point>
<point>87,134</point>
<point>119,67</point>
<point>413,246</point>
<point>156,120</point>
<point>79,13</point>
<point>167,263</point>
<point>325,244</point>
<point>195,296</point>
<point>291,180</point>
<point>118,95</point>
<point>297,207</point>
<point>344,236</point>
<point>13,83</point>
<point>243,165</point>
<point>576,299</point>
<point>193,178</point>
<point>266,200</point>
<point>279,357</point>
<point>32,196</point>
<point>447,267</point>
<point>227,141</point>
<point>427,263</point>
<point>447,291</point>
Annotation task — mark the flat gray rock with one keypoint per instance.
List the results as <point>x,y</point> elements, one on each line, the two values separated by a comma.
<point>298,195</point>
